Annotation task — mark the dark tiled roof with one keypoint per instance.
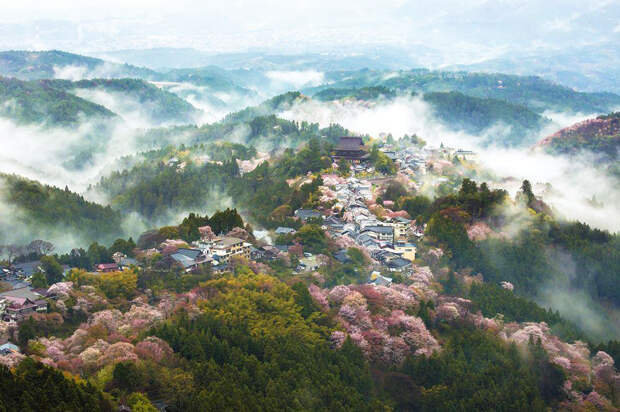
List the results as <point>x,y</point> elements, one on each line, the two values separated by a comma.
<point>190,253</point>
<point>350,143</point>
<point>388,230</point>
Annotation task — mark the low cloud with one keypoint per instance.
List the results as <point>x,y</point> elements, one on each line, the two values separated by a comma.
<point>294,79</point>
<point>574,180</point>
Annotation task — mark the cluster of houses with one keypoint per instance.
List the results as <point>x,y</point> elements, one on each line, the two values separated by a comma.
<point>21,299</point>
<point>211,251</point>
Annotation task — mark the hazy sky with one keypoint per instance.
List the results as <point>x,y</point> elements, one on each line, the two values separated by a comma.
<point>466,29</point>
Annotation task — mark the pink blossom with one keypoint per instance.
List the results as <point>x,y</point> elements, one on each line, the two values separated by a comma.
<point>61,289</point>
<point>337,294</point>
<point>507,285</point>
<point>154,348</point>
<point>117,352</point>
<point>479,231</point>
<point>319,296</point>
<point>239,233</point>
<point>337,338</point>
<point>110,318</point>
<point>562,362</point>
<point>11,359</point>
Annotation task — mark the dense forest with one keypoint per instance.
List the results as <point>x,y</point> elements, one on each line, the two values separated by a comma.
<point>532,92</point>
<point>44,209</point>
<point>474,115</point>
<point>33,386</point>
<point>38,102</point>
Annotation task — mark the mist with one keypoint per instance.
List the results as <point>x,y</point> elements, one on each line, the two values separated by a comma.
<point>574,180</point>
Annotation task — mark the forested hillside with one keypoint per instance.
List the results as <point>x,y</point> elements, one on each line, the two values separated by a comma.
<point>39,102</point>
<point>46,209</point>
<point>530,91</point>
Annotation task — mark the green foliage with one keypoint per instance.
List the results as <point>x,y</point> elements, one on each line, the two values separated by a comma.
<point>451,233</point>
<point>492,300</point>
<point>124,246</point>
<point>253,349</point>
<point>38,102</point>
<point>416,206</point>
<point>162,106</point>
<point>532,92</point>
<point>313,238</point>
<point>111,284</point>
<point>140,403</point>
<point>394,191</point>
<point>126,376</point>
<point>46,206</point>
<point>477,371</point>
<point>381,162</point>
<point>52,269</point>
<point>474,115</point>
<point>34,386</point>
<point>221,222</point>
<point>38,280</point>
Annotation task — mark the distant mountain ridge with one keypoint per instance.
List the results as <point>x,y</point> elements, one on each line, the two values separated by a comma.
<point>39,102</point>
<point>33,65</point>
<point>532,92</point>
<point>600,135</point>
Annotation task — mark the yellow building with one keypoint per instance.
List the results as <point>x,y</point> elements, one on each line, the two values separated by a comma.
<point>230,246</point>
<point>406,250</point>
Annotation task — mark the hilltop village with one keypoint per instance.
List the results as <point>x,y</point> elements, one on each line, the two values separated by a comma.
<point>365,264</point>
<point>351,214</point>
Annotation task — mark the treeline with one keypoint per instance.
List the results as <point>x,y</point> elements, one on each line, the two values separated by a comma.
<point>42,208</point>
<point>37,102</point>
<point>474,115</point>
<point>155,189</point>
<point>476,371</point>
<point>543,252</point>
<point>32,386</point>
<point>259,345</point>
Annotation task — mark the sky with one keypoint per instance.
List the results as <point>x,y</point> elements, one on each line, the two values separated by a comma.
<point>466,31</point>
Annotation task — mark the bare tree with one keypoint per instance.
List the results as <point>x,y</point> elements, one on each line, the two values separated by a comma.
<point>40,247</point>
<point>13,251</point>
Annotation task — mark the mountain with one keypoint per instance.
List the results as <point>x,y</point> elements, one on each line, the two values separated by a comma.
<point>126,95</point>
<point>474,115</point>
<point>167,57</point>
<point>31,65</point>
<point>42,211</point>
<point>593,68</point>
<point>40,102</point>
<point>600,135</point>
<point>532,92</point>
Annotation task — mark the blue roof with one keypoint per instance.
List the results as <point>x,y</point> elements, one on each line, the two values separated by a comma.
<point>9,347</point>
<point>379,229</point>
<point>397,263</point>
<point>183,260</point>
<point>28,268</point>
<point>190,253</point>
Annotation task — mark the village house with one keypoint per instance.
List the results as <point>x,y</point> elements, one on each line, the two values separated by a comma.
<point>398,264</point>
<point>402,228</point>
<point>225,247</point>
<point>106,267</point>
<point>378,279</point>
<point>282,230</point>
<point>305,214</point>
<point>406,250</point>
<point>8,348</point>
<point>381,233</point>
<point>308,264</point>
<point>17,304</point>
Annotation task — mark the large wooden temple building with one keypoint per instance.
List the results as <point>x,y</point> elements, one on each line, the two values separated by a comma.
<point>351,148</point>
